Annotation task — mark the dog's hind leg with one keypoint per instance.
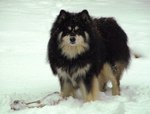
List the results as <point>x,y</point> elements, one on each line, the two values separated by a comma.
<point>118,69</point>
<point>108,74</point>
<point>102,82</point>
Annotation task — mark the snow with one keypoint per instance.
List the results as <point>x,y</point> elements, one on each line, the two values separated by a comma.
<point>25,73</point>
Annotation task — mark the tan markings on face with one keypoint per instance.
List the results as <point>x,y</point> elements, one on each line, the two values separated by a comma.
<point>72,50</point>
<point>60,35</point>
<point>86,36</point>
<point>76,28</point>
<point>69,27</point>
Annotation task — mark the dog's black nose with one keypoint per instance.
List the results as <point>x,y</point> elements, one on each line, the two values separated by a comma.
<point>72,40</point>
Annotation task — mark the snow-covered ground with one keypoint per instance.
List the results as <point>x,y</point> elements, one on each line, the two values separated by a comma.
<point>25,73</point>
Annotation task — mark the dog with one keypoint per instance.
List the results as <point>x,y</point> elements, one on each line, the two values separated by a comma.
<point>86,53</point>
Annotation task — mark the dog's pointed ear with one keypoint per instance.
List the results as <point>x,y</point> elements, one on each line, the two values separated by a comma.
<point>84,15</point>
<point>62,16</point>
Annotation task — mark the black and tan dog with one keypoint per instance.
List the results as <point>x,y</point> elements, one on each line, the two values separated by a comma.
<point>86,52</point>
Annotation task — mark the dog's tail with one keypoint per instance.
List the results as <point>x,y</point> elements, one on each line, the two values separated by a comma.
<point>135,54</point>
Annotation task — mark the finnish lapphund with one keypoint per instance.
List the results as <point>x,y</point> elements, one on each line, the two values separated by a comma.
<point>86,53</point>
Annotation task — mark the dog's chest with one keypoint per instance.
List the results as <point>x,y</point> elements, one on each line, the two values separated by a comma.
<point>72,74</point>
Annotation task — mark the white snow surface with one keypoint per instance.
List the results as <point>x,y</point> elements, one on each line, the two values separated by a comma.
<point>24,70</point>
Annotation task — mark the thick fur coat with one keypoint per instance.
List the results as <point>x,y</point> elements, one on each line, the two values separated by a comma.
<point>82,48</point>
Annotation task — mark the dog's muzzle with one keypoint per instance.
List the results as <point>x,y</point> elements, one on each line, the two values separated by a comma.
<point>72,40</point>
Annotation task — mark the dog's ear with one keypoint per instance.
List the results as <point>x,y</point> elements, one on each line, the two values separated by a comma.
<point>84,15</point>
<point>62,16</point>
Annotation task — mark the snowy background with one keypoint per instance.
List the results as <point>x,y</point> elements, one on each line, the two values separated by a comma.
<point>25,73</point>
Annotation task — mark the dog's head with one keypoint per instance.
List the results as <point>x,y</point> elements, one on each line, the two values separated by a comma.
<point>73,36</point>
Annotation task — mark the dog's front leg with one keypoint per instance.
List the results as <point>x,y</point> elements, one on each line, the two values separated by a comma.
<point>66,88</point>
<point>90,89</point>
